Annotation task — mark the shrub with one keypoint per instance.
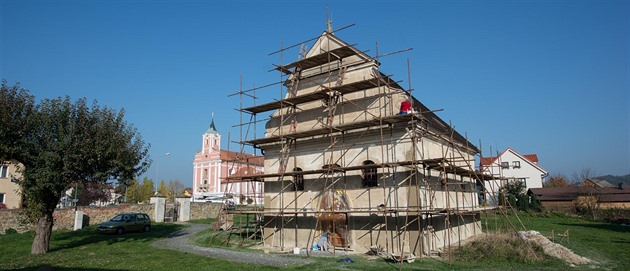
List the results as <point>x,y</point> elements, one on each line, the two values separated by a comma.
<point>528,203</point>
<point>613,215</point>
<point>535,205</point>
<point>512,200</point>
<point>502,200</point>
<point>10,231</point>
<point>522,202</point>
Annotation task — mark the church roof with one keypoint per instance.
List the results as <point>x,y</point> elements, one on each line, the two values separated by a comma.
<point>243,158</point>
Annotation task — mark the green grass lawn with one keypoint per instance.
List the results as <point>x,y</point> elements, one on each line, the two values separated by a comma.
<point>606,243</point>
<point>86,250</point>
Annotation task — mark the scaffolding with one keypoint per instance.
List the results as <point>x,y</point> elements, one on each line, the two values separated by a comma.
<point>341,162</point>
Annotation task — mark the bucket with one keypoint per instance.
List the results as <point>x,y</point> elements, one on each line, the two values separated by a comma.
<point>296,250</point>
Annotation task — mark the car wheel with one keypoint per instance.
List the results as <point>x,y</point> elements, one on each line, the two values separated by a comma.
<point>120,231</point>
<point>147,228</point>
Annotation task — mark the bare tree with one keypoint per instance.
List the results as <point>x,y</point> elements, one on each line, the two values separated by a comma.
<point>557,181</point>
<point>583,174</point>
<point>588,201</point>
<point>175,188</point>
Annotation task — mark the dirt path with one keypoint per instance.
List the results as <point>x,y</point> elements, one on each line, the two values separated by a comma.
<point>181,240</point>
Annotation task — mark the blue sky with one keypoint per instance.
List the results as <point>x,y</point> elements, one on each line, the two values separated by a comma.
<point>544,77</point>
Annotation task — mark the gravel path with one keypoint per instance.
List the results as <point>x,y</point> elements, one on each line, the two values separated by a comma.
<point>180,240</point>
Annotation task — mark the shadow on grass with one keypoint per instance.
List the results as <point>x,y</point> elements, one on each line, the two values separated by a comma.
<point>239,239</point>
<point>620,241</point>
<point>73,239</point>
<point>599,226</point>
<point>46,267</point>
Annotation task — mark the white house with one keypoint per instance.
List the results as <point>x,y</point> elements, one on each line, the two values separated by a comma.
<point>510,166</point>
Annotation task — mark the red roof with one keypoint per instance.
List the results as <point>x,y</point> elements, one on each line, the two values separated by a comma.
<point>244,158</point>
<point>531,157</point>
<point>486,161</point>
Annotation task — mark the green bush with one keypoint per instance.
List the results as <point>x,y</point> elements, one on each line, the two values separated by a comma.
<point>528,203</point>
<point>521,202</point>
<point>613,215</point>
<point>10,231</point>
<point>535,205</point>
<point>502,200</point>
<point>512,200</point>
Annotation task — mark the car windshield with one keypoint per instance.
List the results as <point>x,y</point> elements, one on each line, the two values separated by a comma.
<point>117,218</point>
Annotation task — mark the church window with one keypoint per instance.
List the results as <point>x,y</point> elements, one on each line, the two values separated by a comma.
<point>298,180</point>
<point>370,175</point>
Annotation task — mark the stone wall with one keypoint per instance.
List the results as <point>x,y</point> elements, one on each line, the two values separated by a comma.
<point>203,210</point>
<point>9,219</point>
<point>64,218</point>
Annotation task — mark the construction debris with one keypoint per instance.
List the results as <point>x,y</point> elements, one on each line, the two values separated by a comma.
<point>553,249</point>
<point>409,258</point>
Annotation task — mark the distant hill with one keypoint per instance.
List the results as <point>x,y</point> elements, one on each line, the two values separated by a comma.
<point>625,179</point>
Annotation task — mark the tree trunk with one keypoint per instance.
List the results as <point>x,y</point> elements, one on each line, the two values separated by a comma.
<point>43,231</point>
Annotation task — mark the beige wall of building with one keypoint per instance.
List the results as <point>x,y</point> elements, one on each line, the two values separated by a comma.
<point>10,191</point>
<point>397,190</point>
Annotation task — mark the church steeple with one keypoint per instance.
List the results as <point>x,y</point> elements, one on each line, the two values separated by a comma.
<point>212,129</point>
<point>211,139</point>
<point>328,21</point>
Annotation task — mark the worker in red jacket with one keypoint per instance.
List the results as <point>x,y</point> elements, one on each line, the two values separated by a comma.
<point>405,107</point>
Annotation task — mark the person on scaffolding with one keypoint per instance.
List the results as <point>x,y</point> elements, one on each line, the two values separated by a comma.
<point>322,243</point>
<point>405,107</point>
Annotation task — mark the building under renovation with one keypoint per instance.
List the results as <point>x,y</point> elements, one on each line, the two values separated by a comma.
<point>352,155</point>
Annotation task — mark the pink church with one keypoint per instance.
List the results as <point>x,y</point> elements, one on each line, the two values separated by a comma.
<point>212,165</point>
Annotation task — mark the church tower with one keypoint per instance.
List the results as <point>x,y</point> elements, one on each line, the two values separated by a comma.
<point>211,139</point>
<point>211,165</point>
<point>207,163</point>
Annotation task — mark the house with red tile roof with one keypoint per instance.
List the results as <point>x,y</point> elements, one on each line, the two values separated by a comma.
<point>511,166</point>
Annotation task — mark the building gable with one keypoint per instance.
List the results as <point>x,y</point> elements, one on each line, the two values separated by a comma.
<point>358,78</point>
<point>530,159</point>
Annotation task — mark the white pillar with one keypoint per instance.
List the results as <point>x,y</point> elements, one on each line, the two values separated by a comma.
<point>78,220</point>
<point>184,208</point>
<point>159,208</point>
